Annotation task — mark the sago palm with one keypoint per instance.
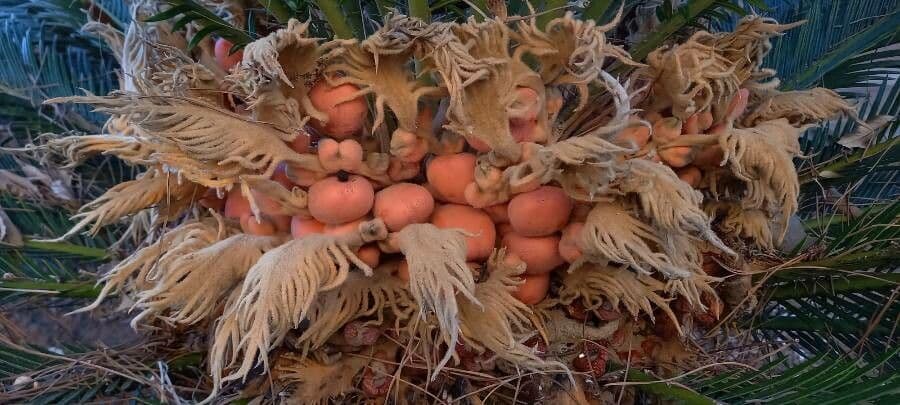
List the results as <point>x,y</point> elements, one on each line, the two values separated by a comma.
<point>449,201</point>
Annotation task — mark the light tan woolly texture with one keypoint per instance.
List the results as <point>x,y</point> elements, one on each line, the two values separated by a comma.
<point>692,289</point>
<point>316,382</point>
<point>132,149</point>
<point>290,202</point>
<point>689,78</point>
<point>495,323</point>
<point>437,272</point>
<point>133,274</point>
<point>798,107</point>
<point>762,158</point>
<point>612,233</point>
<point>204,133</point>
<point>583,165</point>
<point>673,205</point>
<point>277,293</point>
<point>570,51</point>
<point>151,189</point>
<point>481,77</point>
<point>174,73</point>
<point>192,286</point>
<point>596,284</point>
<point>748,44</point>
<point>381,65</point>
<point>749,223</point>
<point>359,296</point>
<point>274,73</point>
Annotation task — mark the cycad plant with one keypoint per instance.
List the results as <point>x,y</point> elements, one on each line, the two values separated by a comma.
<point>452,201</point>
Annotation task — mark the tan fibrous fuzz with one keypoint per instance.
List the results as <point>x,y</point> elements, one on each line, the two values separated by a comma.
<point>612,233</point>
<point>500,320</point>
<point>152,189</point>
<point>597,284</point>
<point>192,286</point>
<point>762,157</point>
<point>437,273</point>
<point>359,296</point>
<point>138,271</point>
<point>279,291</point>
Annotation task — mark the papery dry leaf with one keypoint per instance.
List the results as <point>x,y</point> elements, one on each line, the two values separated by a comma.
<point>562,329</point>
<point>437,272</point>
<point>17,185</point>
<point>865,132</point>
<point>278,292</point>
<point>316,382</point>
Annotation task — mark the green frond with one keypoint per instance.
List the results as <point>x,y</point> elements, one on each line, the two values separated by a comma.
<point>820,380</point>
<point>189,11</point>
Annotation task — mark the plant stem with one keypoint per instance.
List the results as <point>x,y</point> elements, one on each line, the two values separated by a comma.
<point>63,247</point>
<point>669,27</point>
<point>420,10</point>
<point>335,17</point>
<point>64,289</point>
<point>665,390</point>
<point>596,10</point>
<point>279,9</point>
<point>836,285</point>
